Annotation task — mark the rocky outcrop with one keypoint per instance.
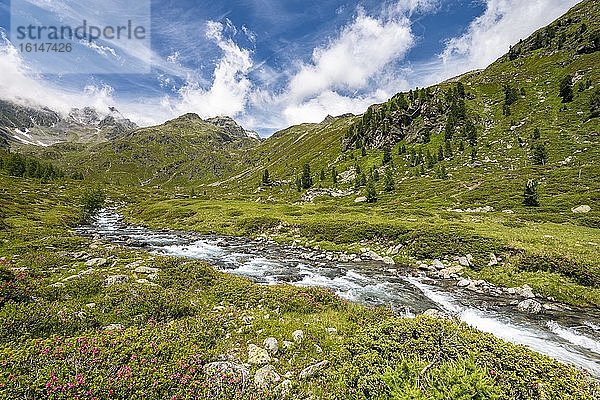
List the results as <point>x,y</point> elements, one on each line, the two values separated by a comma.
<point>232,128</point>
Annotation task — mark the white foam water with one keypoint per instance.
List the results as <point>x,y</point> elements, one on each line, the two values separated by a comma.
<point>268,263</point>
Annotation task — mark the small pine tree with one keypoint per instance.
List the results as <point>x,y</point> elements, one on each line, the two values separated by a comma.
<point>422,170</point>
<point>566,89</point>
<point>360,180</point>
<point>375,174</point>
<point>306,179</point>
<point>266,179</point>
<point>299,184</point>
<point>448,149</point>
<point>363,151</point>
<point>388,180</point>
<point>540,155</point>
<point>530,195</point>
<point>461,146</point>
<point>594,104</point>
<point>322,175</point>
<point>402,150</point>
<point>334,175</point>
<point>387,155</point>
<point>371,193</point>
<point>440,154</point>
<point>536,135</point>
<point>470,132</point>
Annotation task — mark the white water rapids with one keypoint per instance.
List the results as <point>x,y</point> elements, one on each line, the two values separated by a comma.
<point>570,336</point>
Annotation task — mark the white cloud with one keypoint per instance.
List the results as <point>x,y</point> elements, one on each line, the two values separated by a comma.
<point>230,87</point>
<point>503,24</point>
<point>355,69</point>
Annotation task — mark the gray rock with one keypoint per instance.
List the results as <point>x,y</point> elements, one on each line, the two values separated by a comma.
<point>298,336</point>
<point>95,262</point>
<point>530,306</point>
<point>271,345</point>
<point>113,327</point>
<point>389,260</point>
<point>583,209</point>
<point>266,377</point>
<point>284,388</point>
<point>116,279</point>
<point>464,261</point>
<point>286,344</point>
<point>225,372</point>
<point>257,355</point>
<point>146,270</point>
<point>463,283</point>
<point>361,199</point>
<point>312,370</point>
<point>437,314</point>
<point>525,291</point>
<point>493,260</point>
<point>437,264</point>
<point>331,331</point>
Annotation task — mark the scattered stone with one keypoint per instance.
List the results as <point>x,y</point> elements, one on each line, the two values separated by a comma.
<point>463,283</point>
<point>493,260</point>
<point>361,199</point>
<point>464,261</point>
<point>257,355</point>
<point>525,291</point>
<point>331,331</point>
<point>437,264</point>
<point>298,336</point>
<point>116,279</point>
<point>146,270</point>
<point>95,262</point>
<point>226,372</point>
<point>113,327</point>
<point>284,388</point>
<point>312,370</point>
<point>583,209</point>
<point>530,306</point>
<point>58,285</point>
<point>286,344</point>
<point>433,313</point>
<point>266,377</point>
<point>91,305</point>
<point>389,260</point>
<point>318,348</point>
<point>271,345</point>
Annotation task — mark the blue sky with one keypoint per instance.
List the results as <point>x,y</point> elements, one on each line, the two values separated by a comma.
<point>270,64</point>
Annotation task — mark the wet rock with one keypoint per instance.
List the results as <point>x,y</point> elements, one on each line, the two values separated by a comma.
<point>271,345</point>
<point>229,373</point>
<point>266,377</point>
<point>312,370</point>
<point>530,306</point>
<point>95,262</point>
<point>115,280</point>
<point>463,283</point>
<point>298,336</point>
<point>433,313</point>
<point>257,355</point>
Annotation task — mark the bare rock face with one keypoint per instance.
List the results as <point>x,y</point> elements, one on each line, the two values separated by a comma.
<point>232,128</point>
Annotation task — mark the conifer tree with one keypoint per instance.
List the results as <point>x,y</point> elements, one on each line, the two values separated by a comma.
<point>530,195</point>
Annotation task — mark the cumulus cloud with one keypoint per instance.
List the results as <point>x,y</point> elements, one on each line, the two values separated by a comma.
<point>230,88</point>
<point>503,24</point>
<point>354,69</point>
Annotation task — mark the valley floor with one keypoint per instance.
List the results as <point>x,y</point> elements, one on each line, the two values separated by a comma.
<point>88,319</point>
